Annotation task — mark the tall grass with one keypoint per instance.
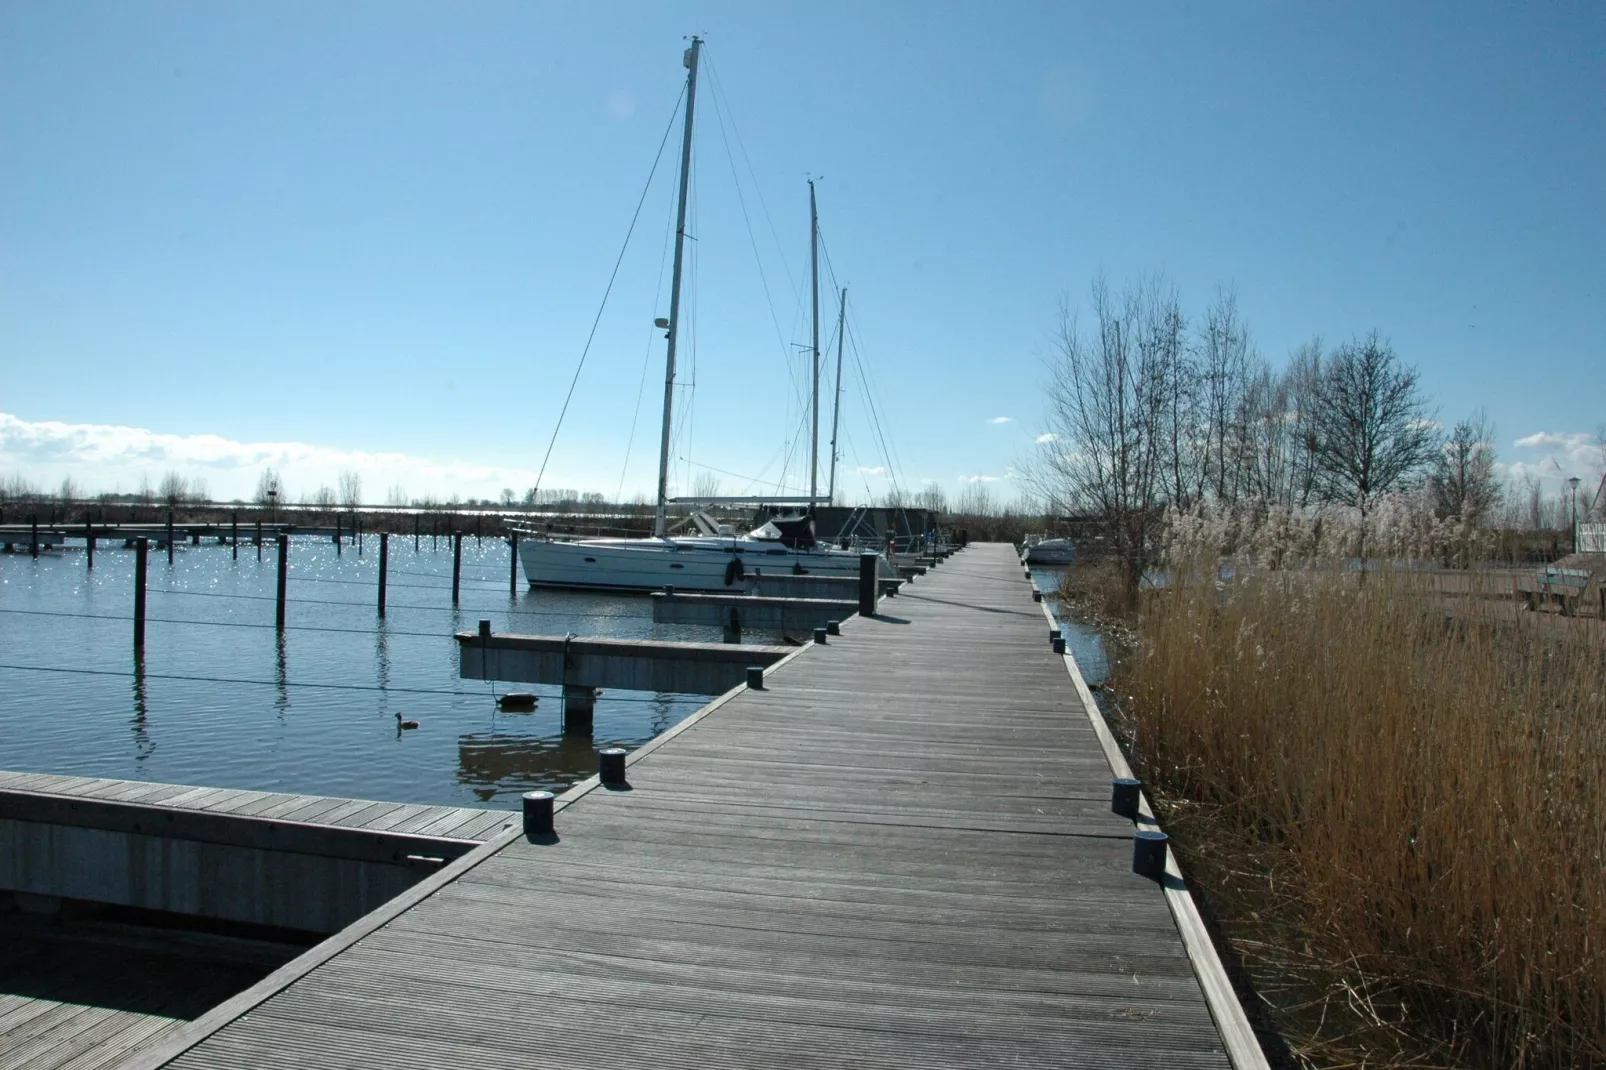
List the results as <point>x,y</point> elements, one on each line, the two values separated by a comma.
<point>1420,799</point>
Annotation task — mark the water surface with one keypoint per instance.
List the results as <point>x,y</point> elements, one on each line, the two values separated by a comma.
<point>222,700</point>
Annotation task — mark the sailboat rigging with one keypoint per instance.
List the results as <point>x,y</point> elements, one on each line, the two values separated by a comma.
<point>716,558</point>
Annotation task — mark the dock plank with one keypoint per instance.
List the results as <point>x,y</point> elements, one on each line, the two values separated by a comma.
<point>897,854</point>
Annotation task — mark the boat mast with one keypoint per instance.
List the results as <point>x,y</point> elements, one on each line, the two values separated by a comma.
<point>690,60</point>
<point>836,406</point>
<point>814,267</point>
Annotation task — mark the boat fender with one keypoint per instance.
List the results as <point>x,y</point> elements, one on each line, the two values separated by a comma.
<point>734,571</point>
<point>798,569</point>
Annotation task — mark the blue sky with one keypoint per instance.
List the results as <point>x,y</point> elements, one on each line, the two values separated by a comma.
<point>375,235</point>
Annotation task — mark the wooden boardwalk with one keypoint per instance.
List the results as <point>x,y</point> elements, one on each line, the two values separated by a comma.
<point>898,854</point>
<point>443,822</point>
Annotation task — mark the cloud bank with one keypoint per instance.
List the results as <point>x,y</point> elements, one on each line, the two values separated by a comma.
<point>110,458</point>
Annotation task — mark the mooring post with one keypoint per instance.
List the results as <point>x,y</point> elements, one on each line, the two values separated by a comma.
<point>356,524</point>
<point>1124,796</point>
<point>457,563</point>
<point>170,536</point>
<point>337,534</point>
<point>384,566</point>
<point>611,766</point>
<point>259,540</point>
<point>537,813</point>
<point>415,533</point>
<point>284,576</point>
<point>867,583</point>
<point>141,552</point>
<point>234,532</point>
<point>513,566</point>
<point>479,528</point>
<point>33,539</point>
<point>435,533</point>
<point>1148,853</point>
<point>89,539</point>
<point>579,707</point>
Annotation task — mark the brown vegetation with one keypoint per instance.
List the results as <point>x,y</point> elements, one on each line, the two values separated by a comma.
<point>1399,817</point>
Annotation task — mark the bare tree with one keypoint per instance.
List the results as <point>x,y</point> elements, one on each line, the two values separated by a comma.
<point>1463,482</point>
<point>69,492</point>
<point>350,489</point>
<point>270,488</point>
<point>1223,374</point>
<point>173,489</point>
<point>976,500</point>
<point>1110,407</point>
<point>324,497</point>
<point>932,499</point>
<point>705,486</point>
<point>1372,429</point>
<point>397,495</point>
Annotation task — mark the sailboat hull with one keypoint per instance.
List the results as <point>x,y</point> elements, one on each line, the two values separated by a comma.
<point>690,565</point>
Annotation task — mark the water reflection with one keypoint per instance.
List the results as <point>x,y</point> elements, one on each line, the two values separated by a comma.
<point>281,676</point>
<point>143,744</point>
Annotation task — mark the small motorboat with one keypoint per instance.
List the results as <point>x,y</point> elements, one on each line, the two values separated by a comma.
<point>1043,551</point>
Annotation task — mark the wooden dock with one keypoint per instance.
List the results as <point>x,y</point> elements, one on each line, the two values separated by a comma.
<point>900,853</point>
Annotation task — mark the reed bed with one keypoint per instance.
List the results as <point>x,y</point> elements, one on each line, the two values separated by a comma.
<point>1399,815</point>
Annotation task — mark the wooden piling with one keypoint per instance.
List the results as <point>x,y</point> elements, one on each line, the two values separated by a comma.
<point>284,576</point>
<point>356,524</point>
<point>337,534</point>
<point>33,538</point>
<point>259,540</point>
<point>89,540</point>
<point>513,566</point>
<point>868,564</point>
<point>170,536</point>
<point>457,563</point>
<point>384,568</point>
<point>417,524</point>
<point>234,532</point>
<point>141,554</point>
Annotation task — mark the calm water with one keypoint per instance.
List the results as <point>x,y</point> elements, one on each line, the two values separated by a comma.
<point>224,701</point>
<point>1082,640</point>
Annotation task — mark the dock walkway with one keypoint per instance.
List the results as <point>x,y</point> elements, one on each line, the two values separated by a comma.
<point>900,853</point>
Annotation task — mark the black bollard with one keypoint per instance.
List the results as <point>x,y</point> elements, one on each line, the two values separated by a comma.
<point>141,553</point>
<point>1148,853</point>
<point>611,765</point>
<point>537,813</point>
<point>284,577</point>
<point>867,584</point>
<point>384,567</point>
<point>833,627</point>
<point>1124,796</point>
<point>1058,645</point>
<point>819,636</point>
<point>755,677</point>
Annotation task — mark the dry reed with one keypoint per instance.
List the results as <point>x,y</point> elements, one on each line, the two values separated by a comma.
<point>1407,809</point>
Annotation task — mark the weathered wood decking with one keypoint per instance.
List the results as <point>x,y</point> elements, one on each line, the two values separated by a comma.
<point>899,854</point>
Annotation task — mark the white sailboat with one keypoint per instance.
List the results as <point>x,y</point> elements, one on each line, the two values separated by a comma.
<point>715,559</point>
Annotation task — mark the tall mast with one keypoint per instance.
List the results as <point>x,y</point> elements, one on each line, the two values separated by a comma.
<point>814,267</point>
<point>690,60</point>
<point>836,406</point>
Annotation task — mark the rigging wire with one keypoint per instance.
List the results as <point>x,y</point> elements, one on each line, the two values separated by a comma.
<point>606,292</point>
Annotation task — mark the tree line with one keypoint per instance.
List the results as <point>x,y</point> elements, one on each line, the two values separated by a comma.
<point>1149,410</point>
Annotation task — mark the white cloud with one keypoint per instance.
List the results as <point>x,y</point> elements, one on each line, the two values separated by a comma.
<point>878,470</point>
<point>973,480</point>
<point>107,457</point>
<point>1553,457</point>
<point>1002,420</point>
<point>1046,437</point>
